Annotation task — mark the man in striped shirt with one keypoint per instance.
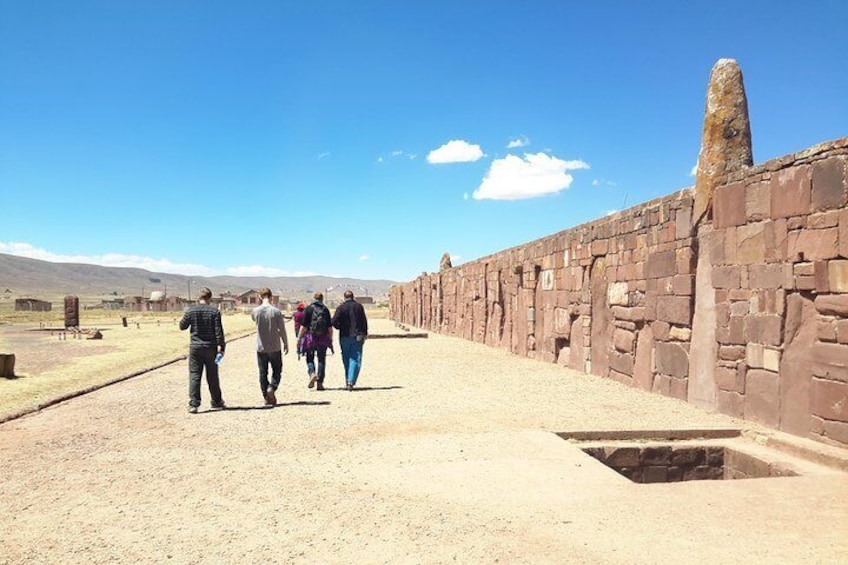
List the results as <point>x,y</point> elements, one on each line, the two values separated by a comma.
<point>207,340</point>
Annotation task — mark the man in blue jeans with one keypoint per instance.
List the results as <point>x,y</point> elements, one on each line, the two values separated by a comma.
<point>352,324</point>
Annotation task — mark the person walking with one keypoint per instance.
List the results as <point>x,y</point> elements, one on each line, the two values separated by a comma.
<point>352,324</point>
<point>270,334</point>
<point>316,334</point>
<point>298,323</point>
<point>207,341</point>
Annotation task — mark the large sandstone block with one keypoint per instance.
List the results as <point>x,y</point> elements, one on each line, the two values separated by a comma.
<point>675,310</point>
<point>791,192</point>
<point>757,202</point>
<point>764,329</point>
<point>672,359</point>
<point>729,206</point>
<point>661,264</point>
<point>829,184</point>
<point>768,276</point>
<point>762,397</point>
<point>751,244</point>
<point>726,277</point>
<point>843,233</point>
<point>832,304</point>
<point>813,245</point>
<point>830,360</point>
<point>829,400</point>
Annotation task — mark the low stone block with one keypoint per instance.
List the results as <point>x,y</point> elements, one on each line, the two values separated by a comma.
<point>829,219</point>
<point>676,333</point>
<point>842,331</point>
<point>726,277</point>
<point>829,399</point>
<point>843,233</point>
<point>836,431</point>
<point>731,352</point>
<point>754,353</point>
<point>822,276</point>
<point>825,330</point>
<point>771,359</point>
<point>762,397</point>
<point>687,457</point>
<point>621,362</point>
<point>622,456</point>
<point>730,403</point>
<point>654,474</point>
<point>727,378</point>
<point>679,389</point>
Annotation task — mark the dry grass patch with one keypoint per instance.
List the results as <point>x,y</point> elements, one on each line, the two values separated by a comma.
<point>49,367</point>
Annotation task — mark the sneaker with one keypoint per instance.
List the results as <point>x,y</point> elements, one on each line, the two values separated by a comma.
<point>350,386</point>
<point>219,406</point>
<point>313,378</point>
<point>270,397</point>
<point>320,386</point>
<point>192,409</point>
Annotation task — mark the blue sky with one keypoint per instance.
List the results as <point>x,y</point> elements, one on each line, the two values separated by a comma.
<point>367,138</point>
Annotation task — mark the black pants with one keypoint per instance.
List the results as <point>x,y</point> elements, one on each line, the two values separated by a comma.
<point>319,370</point>
<point>275,359</point>
<point>198,359</point>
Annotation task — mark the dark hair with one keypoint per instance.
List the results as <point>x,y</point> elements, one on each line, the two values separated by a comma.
<point>204,294</point>
<point>265,292</point>
<point>348,294</point>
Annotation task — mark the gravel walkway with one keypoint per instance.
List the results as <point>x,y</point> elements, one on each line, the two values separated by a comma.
<point>443,455</point>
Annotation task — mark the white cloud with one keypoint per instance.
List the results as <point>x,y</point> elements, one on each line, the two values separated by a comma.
<point>397,153</point>
<point>465,196</point>
<point>108,260</point>
<point>380,159</point>
<point>694,170</point>
<point>323,155</point>
<point>455,258</point>
<point>599,182</point>
<point>456,151</point>
<point>514,178</point>
<point>364,257</point>
<point>521,141</point>
<point>596,182</point>
<point>21,249</point>
<point>610,212</point>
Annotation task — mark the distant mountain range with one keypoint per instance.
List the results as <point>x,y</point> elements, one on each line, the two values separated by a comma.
<point>33,278</point>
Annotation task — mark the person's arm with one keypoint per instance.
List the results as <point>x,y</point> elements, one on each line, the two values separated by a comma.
<point>219,333</point>
<point>336,321</point>
<point>186,321</point>
<point>281,325</point>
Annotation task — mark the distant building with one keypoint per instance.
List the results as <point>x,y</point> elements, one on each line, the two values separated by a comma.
<point>32,305</point>
<point>364,299</point>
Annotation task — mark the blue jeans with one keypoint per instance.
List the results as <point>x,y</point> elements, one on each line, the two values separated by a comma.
<point>322,361</point>
<point>200,358</point>
<point>275,359</point>
<point>351,358</point>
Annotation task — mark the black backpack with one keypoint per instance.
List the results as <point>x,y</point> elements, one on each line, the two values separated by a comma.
<point>319,323</point>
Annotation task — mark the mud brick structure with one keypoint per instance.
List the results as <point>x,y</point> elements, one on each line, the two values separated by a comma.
<point>738,303</point>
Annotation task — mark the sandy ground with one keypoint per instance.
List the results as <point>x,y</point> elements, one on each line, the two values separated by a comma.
<point>445,454</point>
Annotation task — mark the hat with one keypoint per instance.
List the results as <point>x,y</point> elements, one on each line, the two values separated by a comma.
<point>301,306</point>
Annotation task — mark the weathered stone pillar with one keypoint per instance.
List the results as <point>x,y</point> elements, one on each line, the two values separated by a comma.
<point>726,135</point>
<point>725,149</point>
<point>72,312</point>
<point>7,365</point>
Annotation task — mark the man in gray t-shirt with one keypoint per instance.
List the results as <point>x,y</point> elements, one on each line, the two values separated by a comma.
<point>270,332</point>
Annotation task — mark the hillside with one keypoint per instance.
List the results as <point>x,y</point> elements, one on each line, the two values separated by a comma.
<point>34,278</point>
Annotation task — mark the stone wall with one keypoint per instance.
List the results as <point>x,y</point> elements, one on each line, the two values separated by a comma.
<point>746,313</point>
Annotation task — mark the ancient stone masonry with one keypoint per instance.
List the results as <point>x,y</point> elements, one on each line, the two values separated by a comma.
<point>745,313</point>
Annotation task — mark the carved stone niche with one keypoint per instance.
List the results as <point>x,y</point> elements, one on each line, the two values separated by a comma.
<point>548,280</point>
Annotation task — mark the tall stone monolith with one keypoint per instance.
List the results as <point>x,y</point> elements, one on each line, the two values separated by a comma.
<point>726,135</point>
<point>725,149</point>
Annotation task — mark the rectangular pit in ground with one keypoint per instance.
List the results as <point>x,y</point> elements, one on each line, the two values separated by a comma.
<point>668,463</point>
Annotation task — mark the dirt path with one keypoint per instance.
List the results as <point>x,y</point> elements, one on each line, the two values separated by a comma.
<point>444,455</point>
